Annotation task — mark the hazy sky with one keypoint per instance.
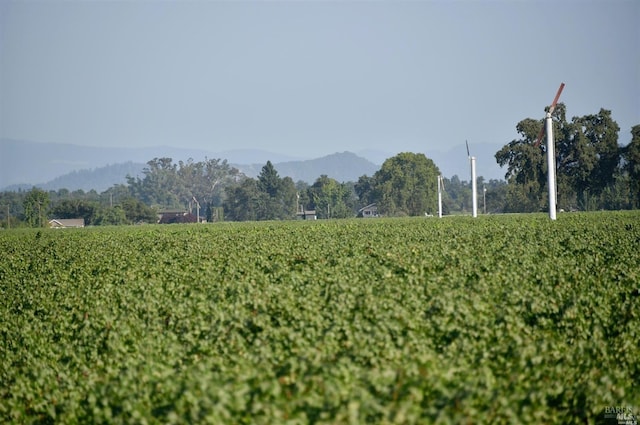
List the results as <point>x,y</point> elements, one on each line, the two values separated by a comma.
<point>309,78</point>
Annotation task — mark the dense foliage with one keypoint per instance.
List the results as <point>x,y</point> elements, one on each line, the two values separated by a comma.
<point>593,171</point>
<point>404,185</point>
<point>632,166</point>
<point>36,205</point>
<point>501,319</point>
<point>166,184</point>
<point>270,197</point>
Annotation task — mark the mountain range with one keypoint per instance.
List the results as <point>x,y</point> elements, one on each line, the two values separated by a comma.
<point>51,166</point>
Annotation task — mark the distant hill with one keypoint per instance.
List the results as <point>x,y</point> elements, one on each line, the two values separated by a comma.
<point>98,179</point>
<point>343,167</point>
<point>55,166</point>
<point>28,164</point>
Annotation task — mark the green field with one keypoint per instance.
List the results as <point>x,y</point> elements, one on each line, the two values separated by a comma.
<point>500,319</point>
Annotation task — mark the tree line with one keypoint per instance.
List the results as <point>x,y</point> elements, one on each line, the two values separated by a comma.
<point>404,184</point>
<point>593,172</point>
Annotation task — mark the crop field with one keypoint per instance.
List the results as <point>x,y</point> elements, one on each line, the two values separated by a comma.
<point>499,319</point>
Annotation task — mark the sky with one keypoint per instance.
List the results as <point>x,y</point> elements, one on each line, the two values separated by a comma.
<point>310,78</point>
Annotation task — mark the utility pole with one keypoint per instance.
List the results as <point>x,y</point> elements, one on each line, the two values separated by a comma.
<point>440,186</point>
<point>474,188</point>
<point>197,209</point>
<point>484,198</point>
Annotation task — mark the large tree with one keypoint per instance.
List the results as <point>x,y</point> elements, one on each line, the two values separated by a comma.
<point>160,185</point>
<point>36,206</point>
<point>206,180</point>
<point>111,216</point>
<point>76,208</point>
<point>331,199</point>
<point>593,147</point>
<point>632,166</point>
<point>11,207</point>
<point>137,211</point>
<point>364,190</point>
<point>243,201</point>
<point>587,160</point>
<point>406,185</point>
<point>526,166</point>
<point>278,195</point>
<point>166,184</point>
<point>267,198</point>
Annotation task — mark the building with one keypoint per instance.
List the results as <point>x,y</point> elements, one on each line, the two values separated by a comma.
<point>307,215</point>
<point>66,223</point>
<point>176,216</point>
<point>369,211</point>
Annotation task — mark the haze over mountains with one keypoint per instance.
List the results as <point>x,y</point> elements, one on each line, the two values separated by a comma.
<point>24,164</point>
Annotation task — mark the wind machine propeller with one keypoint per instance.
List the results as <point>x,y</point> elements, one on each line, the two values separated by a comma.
<point>551,156</point>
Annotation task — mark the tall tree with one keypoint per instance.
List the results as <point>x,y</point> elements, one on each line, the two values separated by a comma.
<point>218,174</point>
<point>11,207</point>
<point>136,211</point>
<point>278,195</point>
<point>587,160</point>
<point>596,144</point>
<point>111,216</point>
<point>243,201</point>
<point>525,167</point>
<point>269,180</point>
<point>331,199</point>
<point>161,185</point>
<point>286,199</point>
<point>404,185</point>
<point>36,207</point>
<point>76,208</point>
<point>267,198</point>
<point>632,165</point>
<point>206,180</point>
<point>576,161</point>
<point>115,194</point>
<point>364,190</point>
<point>173,185</point>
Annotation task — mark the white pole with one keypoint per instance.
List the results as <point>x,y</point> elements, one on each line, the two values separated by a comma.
<point>551,162</point>
<point>197,208</point>
<point>474,189</point>
<point>484,199</point>
<point>439,196</point>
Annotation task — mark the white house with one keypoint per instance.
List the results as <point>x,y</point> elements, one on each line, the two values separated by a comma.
<point>66,223</point>
<point>369,211</point>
